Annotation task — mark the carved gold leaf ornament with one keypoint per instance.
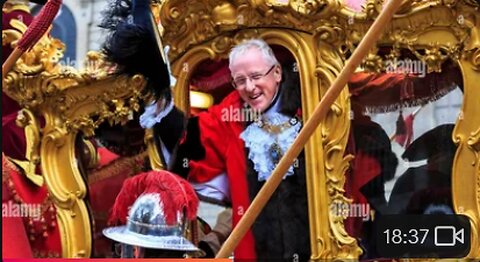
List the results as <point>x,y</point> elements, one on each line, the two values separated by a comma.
<point>225,16</point>
<point>28,121</point>
<point>334,132</point>
<point>308,7</point>
<point>84,107</point>
<point>373,63</point>
<point>70,101</point>
<point>10,37</point>
<point>476,60</point>
<point>474,142</point>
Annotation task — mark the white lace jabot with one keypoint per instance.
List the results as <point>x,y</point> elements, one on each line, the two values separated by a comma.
<point>259,141</point>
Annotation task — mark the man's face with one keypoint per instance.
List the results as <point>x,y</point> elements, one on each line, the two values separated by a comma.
<point>257,80</point>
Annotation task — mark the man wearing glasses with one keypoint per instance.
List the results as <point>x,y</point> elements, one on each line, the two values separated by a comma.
<point>257,85</point>
<point>228,160</point>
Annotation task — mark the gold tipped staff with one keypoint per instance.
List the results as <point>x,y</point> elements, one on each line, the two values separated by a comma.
<point>392,137</point>
<point>318,115</point>
<point>35,31</point>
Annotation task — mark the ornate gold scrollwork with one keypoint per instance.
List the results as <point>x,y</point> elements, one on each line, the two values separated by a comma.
<point>44,56</point>
<point>466,169</point>
<point>476,60</point>
<point>330,32</point>
<point>474,141</point>
<point>84,106</point>
<point>335,130</point>
<point>70,101</point>
<point>334,133</point>
<point>115,111</point>
<point>371,8</point>
<point>466,179</point>
<point>373,63</point>
<point>190,23</point>
<point>433,58</point>
<point>308,7</point>
<point>28,121</point>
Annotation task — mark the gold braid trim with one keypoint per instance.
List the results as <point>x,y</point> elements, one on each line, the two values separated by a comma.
<point>7,168</point>
<point>130,165</point>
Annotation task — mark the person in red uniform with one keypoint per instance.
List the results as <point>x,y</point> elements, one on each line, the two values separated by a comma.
<point>33,234</point>
<point>230,158</point>
<point>14,237</point>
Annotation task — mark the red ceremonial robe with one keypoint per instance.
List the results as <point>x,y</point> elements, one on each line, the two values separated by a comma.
<point>30,204</point>
<point>224,152</point>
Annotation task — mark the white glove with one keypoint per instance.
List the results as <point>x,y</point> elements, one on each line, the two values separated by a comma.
<point>173,80</point>
<point>153,115</point>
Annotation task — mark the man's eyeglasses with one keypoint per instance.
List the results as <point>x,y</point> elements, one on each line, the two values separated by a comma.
<point>241,82</point>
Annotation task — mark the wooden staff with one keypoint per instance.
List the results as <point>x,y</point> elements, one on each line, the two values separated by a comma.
<point>318,115</point>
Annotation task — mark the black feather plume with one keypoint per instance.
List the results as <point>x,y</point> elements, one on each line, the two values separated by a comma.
<point>117,11</point>
<point>132,45</point>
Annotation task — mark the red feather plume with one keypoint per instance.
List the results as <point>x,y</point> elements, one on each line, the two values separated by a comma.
<point>179,194</point>
<point>132,188</point>
<point>176,193</point>
<point>39,25</point>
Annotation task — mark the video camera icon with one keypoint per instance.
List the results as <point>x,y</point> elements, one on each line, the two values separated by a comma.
<point>447,236</point>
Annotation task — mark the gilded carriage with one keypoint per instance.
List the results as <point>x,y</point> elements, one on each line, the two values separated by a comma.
<point>319,35</point>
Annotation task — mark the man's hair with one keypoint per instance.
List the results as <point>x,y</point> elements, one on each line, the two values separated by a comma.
<point>259,44</point>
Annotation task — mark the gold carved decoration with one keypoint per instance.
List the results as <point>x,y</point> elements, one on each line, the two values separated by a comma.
<point>373,63</point>
<point>192,22</point>
<point>44,56</point>
<point>70,101</point>
<point>466,169</point>
<point>334,133</point>
<point>91,151</point>
<point>27,120</point>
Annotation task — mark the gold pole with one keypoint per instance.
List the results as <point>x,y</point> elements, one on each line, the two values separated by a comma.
<point>10,62</point>
<point>318,115</point>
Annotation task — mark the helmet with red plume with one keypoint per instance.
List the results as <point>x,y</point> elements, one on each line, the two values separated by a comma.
<point>154,208</point>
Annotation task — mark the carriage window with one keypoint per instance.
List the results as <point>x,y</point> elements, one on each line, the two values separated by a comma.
<point>401,137</point>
